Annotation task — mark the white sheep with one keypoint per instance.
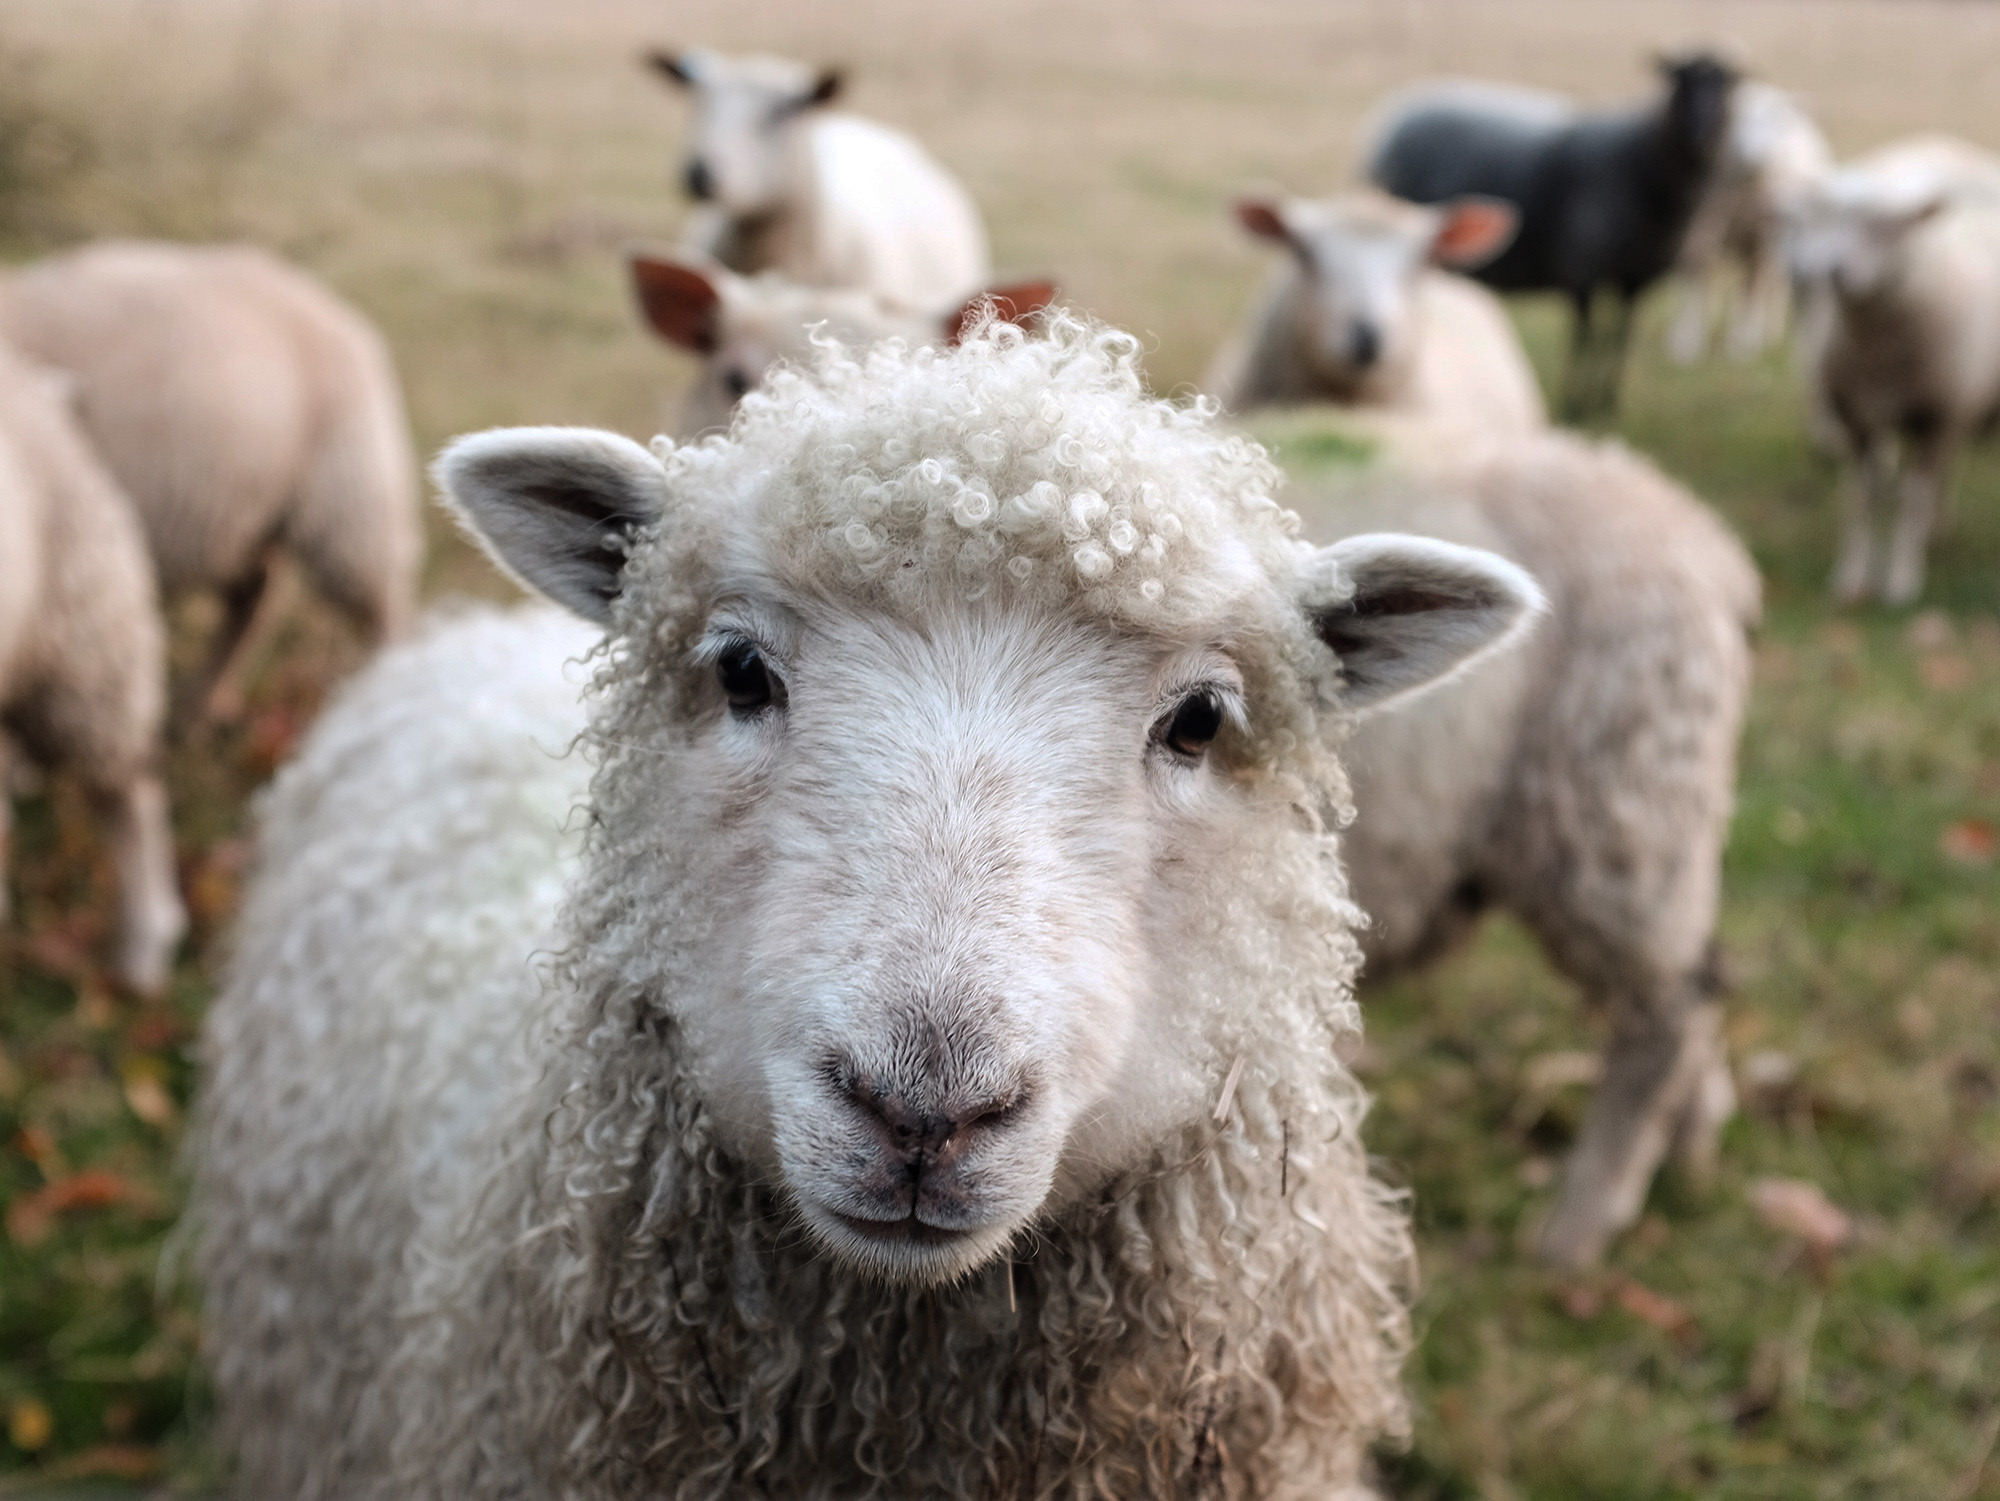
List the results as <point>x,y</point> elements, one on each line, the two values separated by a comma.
<point>1362,314</point>
<point>826,199</point>
<point>741,326</point>
<point>244,409</point>
<point>1732,261</point>
<point>1584,782</point>
<point>1901,252</point>
<point>928,1085</point>
<point>83,655</point>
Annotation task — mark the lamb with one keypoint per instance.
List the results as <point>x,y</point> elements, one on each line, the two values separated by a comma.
<point>1902,251</point>
<point>1732,261</point>
<point>83,655</point>
<point>1360,314</point>
<point>743,326</point>
<point>932,1086</point>
<point>1584,782</point>
<point>245,410</point>
<point>824,198</point>
<point>1605,199</point>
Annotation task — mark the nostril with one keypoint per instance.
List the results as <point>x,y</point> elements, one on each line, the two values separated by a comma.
<point>1367,343</point>
<point>910,1130</point>
<point>700,183</point>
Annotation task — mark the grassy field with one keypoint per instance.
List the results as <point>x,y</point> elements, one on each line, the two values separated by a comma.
<point>468,174</point>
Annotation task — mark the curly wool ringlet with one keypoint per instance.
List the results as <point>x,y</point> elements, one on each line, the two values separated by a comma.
<point>604,1302</point>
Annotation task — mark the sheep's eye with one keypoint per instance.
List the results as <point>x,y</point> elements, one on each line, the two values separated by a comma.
<point>736,383</point>
<point>746,681</point>
<point>1194,725</point>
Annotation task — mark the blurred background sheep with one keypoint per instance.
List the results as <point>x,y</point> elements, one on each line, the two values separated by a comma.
<point>1604,199</point>
<point>247,412</point>
<point>82,653</point>
<point>1365,313</point>
<point>472,180</point>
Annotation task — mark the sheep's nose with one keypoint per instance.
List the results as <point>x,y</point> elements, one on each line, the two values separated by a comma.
<point>700,182</point>
<point>1367,343</point>
<point>919,1135</point>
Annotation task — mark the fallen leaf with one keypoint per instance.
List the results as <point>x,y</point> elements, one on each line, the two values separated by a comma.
<point>1944,672</point>
<point>272,735</point>
<point>116,1461</point>
<point>39,1147</point>
<point>31,1217</point>
<point>1670,1317</point>
<point>30,1425</point>
<point>147,1095</point>
<point>155,1030</point>
<point>1581,1300</point>
<point>1970,841</point>
<point>60,954</point>
<point>1793,1206</point>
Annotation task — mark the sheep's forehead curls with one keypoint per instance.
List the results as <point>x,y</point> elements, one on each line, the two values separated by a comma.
<point>1028,468</point>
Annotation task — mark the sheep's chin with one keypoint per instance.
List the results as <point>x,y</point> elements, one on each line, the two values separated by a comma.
<point>929,1258</point>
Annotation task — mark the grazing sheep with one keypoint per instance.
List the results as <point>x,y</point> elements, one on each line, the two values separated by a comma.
<point>244,409</point>
<point>82,653</point>
<point>1901,251</point>
<point>823,198</point>
<point>1360,314</point>
<point>1604,198</point>
<point>742,326</point>
<point>929,1086</point>
<point>1583,783</point>
<point>1732,262</point>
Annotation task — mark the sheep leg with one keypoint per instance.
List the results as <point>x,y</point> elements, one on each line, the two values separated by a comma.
<point>6,823</point>
<point>151,917</point>
<point>1618,338</point>
<point>1582,344</point>
<point>1687,338</point>
<point>1766,292</point>
<point>1867,477</point>
<point>247,611</point>
<point>1924,470</point>
<point>1658,1062</point>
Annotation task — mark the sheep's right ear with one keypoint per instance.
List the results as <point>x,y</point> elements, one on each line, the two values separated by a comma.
<point>555,507</point>
<point>683,303</point>
<point>678,67</point>
<point>1264,218</point>
<point>1014,304</point>
<point>1472,231</point>
<point>1416,611</point>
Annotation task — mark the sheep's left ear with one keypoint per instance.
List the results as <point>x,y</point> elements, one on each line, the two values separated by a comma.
<point>555,507</point>
<point>826,88</point>
<point>1016,304</point>
<point>1419,611</point>
<point>1472,231</point>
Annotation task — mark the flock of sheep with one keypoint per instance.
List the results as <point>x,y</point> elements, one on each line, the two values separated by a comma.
<point>918,1069</point>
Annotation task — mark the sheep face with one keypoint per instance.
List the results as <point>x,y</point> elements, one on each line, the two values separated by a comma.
<point>1358,262</point>
<point>914,797</point>
<point>742,326</point>
<point>1850,236</point>
<point>1699,89</point>
<point>983,812</point>
<point>747,113</point>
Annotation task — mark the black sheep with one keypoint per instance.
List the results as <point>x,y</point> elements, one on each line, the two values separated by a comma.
<point>1604,199</point>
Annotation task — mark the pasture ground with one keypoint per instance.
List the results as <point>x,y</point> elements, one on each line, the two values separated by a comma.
<point>468,173</point>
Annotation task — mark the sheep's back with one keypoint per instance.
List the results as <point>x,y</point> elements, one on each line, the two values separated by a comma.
<point>207,377</point>
<point>376,1018</point>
